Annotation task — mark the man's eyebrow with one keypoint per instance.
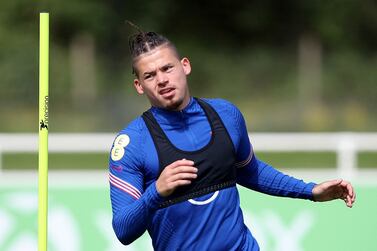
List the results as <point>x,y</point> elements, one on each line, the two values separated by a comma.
<point>167,65</point>
<point>149,72</point>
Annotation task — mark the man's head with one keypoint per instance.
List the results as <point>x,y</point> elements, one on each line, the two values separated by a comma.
<point>160,73</point>
<point>144,42</point>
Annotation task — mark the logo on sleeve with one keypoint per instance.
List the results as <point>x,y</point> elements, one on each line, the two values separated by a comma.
<point>122,140</point>
<point>119,144</point>
<point>117,168</point>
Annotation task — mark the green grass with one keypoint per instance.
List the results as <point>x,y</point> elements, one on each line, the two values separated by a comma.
<point>299,159</point>
<point>70,161</point>
<point>89,161</point>
<point>367,159</point>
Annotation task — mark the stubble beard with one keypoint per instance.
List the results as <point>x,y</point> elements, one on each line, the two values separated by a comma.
<point>174,105</point>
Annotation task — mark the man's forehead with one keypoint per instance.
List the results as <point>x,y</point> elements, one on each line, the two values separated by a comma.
<point>156,58</point>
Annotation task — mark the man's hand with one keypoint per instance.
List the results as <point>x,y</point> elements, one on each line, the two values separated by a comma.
<point>178,173</point>
<point>335,189</point>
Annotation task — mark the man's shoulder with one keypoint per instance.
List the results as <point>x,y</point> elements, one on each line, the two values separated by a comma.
<point>222,105</point>
<point>130,137</point>
<point>135,127</point>
<point>217,101</point>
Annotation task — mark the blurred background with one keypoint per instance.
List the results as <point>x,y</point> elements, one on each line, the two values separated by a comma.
<point>290,66</point>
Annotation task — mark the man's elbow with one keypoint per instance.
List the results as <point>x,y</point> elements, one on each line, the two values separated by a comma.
<point>124,240</point>
<point>123,236</point>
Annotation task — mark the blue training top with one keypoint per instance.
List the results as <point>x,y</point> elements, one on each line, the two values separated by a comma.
<point>210,222</point>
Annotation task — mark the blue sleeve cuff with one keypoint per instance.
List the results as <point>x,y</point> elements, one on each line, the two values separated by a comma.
<point>154,199</point>
<point>309,190</point>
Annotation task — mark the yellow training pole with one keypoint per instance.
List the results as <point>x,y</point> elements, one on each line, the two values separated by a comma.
<point>43,131</point>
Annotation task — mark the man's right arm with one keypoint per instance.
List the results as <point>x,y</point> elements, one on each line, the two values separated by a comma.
<point>132,206</point>
<point>132,218</point>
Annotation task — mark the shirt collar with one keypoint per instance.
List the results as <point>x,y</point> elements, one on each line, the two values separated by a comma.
<point>167,116</point>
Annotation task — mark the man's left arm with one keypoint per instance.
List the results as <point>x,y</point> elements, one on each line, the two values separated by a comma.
<point>260,176</point>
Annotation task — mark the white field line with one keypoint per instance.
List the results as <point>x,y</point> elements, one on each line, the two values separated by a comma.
<point>99,179</point>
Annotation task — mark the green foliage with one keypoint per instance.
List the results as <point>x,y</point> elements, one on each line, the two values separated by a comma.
<point>244,51</point>
<point>83,161</point>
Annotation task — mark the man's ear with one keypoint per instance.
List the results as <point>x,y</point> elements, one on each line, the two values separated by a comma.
<point>138,86</point>
<point>186,66</point>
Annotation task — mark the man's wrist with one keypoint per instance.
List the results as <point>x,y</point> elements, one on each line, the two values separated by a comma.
<point>311,188</point>
<point>154,198</point>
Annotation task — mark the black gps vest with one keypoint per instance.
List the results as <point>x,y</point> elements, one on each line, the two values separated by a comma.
<point>215,161</point>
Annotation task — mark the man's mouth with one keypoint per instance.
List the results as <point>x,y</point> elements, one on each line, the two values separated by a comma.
<point>166,92</point>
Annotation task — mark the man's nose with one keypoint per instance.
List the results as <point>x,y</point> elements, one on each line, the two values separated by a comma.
<point>162,78</point>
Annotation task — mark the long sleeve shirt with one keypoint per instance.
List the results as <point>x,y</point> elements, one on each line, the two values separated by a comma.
<point>210,222</point>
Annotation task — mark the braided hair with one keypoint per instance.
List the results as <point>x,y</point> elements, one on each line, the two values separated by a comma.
<point>143,42</point>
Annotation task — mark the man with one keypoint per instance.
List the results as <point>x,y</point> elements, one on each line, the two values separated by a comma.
<point>173,170</point>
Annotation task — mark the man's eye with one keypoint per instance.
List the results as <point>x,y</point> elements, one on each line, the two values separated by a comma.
<point>169,68</point>
<point>147,76</point>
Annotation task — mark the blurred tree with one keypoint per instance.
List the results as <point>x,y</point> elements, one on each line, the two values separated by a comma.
<point>246,51</point>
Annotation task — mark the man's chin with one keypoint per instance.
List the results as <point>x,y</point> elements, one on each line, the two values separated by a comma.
<point>173,105</point>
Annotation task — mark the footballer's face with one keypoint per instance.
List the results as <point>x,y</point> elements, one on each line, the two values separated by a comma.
<point>162,76</point>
